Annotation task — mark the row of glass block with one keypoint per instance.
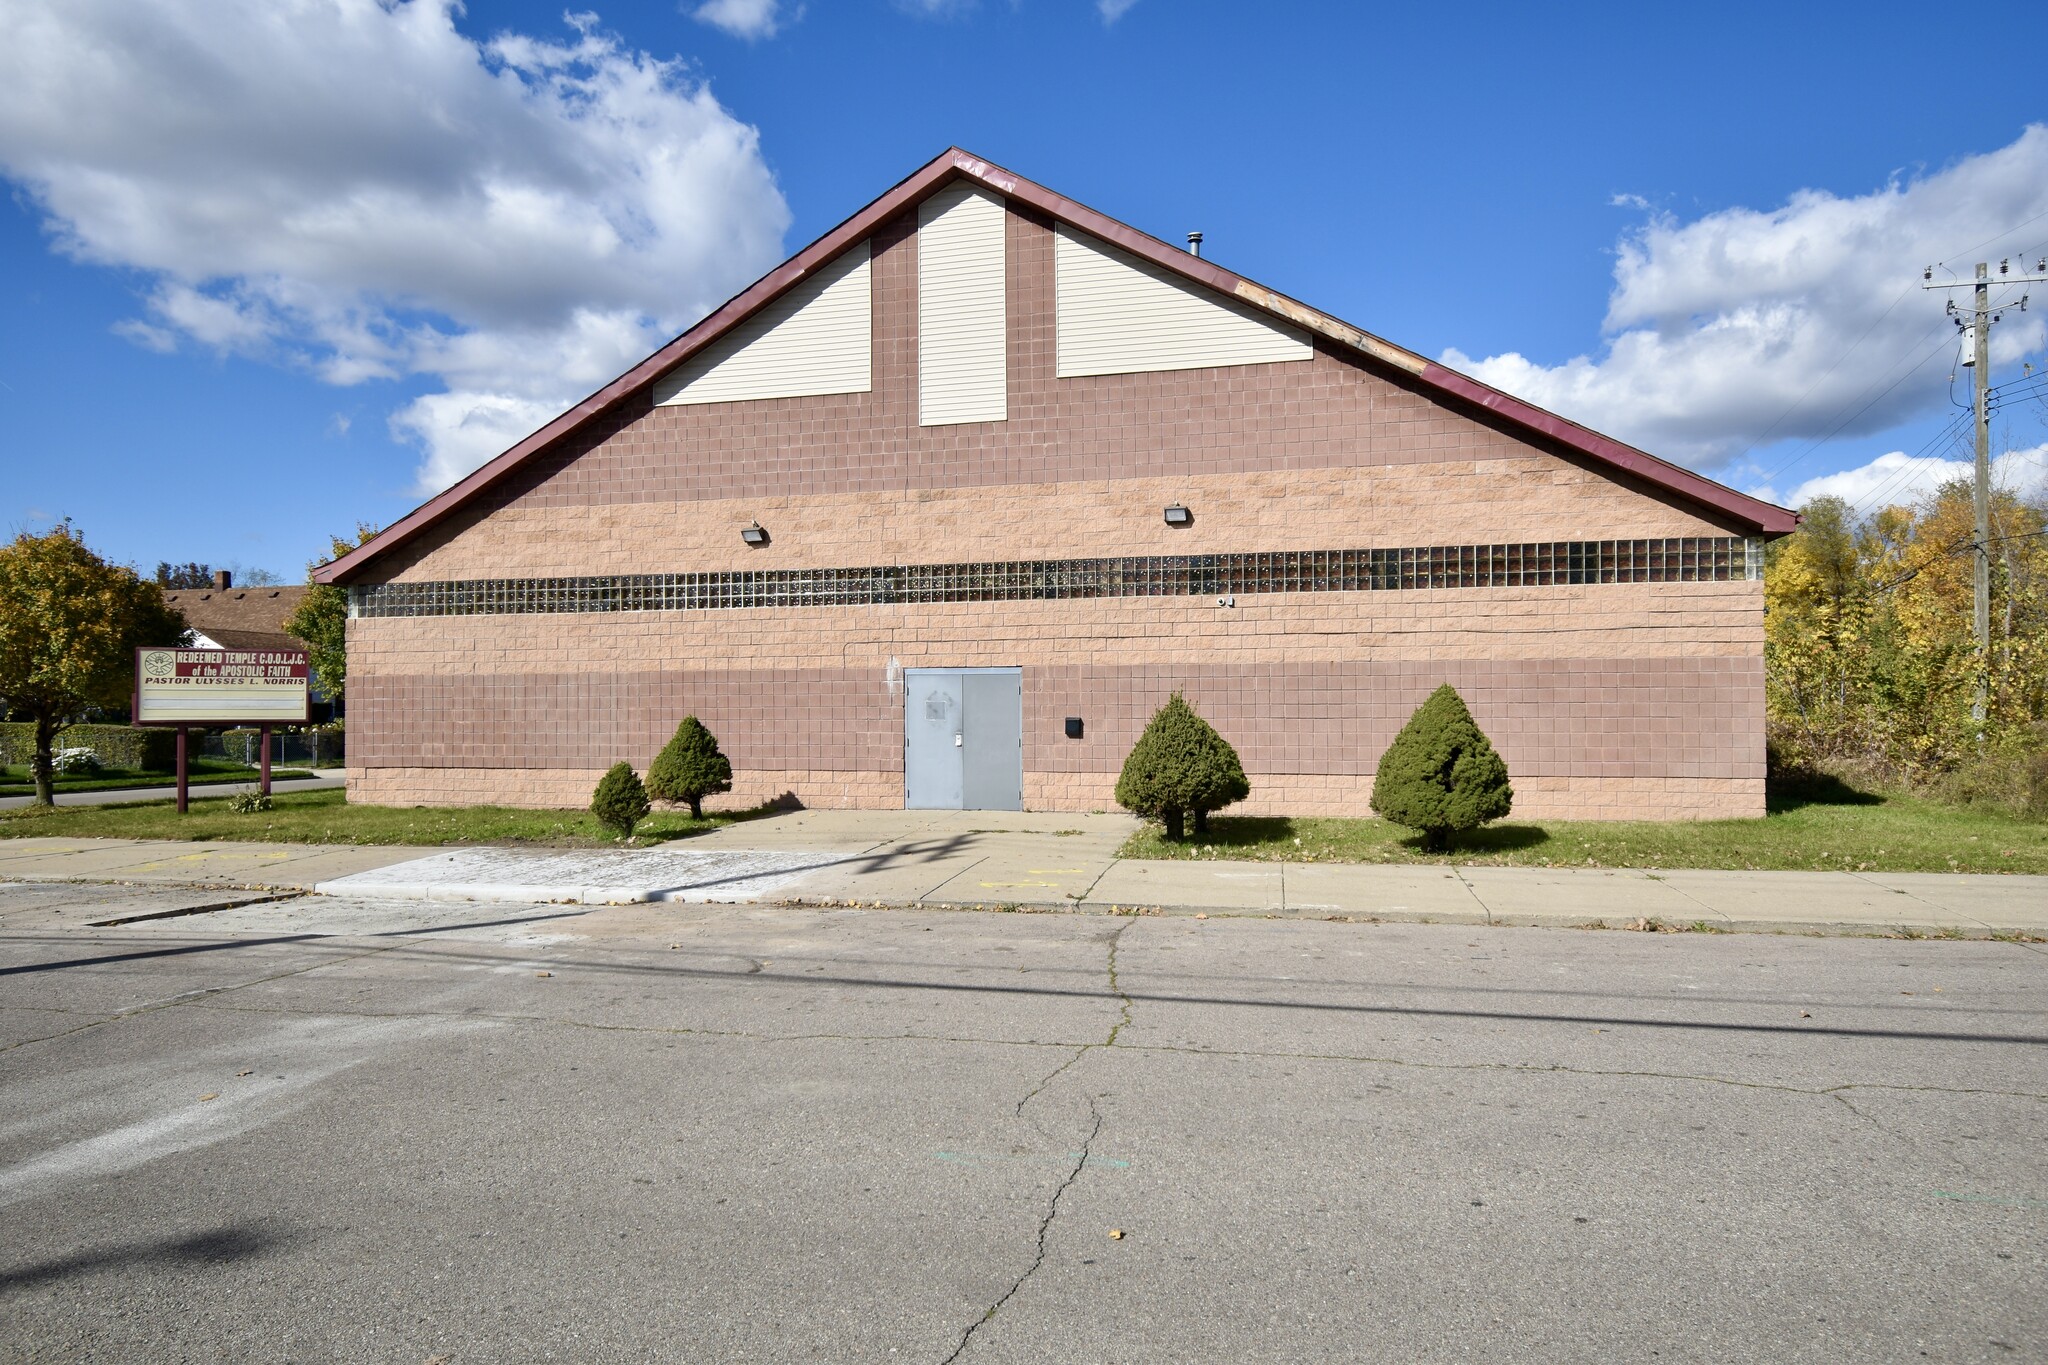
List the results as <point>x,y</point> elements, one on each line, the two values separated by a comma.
<point>1689,559</point>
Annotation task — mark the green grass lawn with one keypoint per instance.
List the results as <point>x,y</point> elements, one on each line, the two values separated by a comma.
<point>327,817</point>
<point>14,781</point>
<point>1822,825</point>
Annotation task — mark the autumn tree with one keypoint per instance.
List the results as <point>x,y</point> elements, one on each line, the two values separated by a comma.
<point>70,624</point>
<point>1869,647</point>
<point>322,619</point>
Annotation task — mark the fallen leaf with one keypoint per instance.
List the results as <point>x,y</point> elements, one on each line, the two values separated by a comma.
<point>214,1096</point>
<point>1116,1234</point>
<point>1804,1015</point>
<point>245,1073</point>
<point>1201,917</point>
<point>543,973</point>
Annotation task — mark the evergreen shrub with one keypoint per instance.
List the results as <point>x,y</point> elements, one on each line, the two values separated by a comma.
<point>1180,767</point>
<point>620,801</point>
<point>689,768</point>
<point>1441,775</point>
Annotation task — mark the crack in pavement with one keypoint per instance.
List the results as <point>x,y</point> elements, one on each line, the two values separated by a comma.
<point>1256,1054</point>
<point>199,996</point>
<point>1473,892</point>
<point>1908,1143</point>
<point>1052,1211</point>
<point>1123,1019</point>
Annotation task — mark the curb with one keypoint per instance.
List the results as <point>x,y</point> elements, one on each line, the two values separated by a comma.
<point>1930,929</point>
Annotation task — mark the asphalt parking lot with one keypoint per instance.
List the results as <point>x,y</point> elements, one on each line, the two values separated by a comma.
<point>332,1128</point>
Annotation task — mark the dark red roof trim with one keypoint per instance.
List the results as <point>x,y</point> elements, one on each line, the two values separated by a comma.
<point>1746,511</point>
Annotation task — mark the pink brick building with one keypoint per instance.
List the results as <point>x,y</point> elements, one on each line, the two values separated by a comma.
<point>943,508</point>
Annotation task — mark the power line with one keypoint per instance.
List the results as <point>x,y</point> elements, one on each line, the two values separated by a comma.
<point>1835,430</point>
<point>1876,497</point>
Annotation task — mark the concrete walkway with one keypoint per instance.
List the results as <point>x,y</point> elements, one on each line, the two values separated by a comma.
<point>322,780</point>
<point>1055,862</point>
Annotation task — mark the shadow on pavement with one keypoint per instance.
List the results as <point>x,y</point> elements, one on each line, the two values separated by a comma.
<point>219,1247</point>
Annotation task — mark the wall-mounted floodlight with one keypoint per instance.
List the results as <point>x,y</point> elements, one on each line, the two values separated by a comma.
<point>1176,515</point>
<point>754,533</point>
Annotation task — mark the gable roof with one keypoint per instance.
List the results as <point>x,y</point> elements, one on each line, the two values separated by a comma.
<point>241,618</point>
<point>1765,518</point>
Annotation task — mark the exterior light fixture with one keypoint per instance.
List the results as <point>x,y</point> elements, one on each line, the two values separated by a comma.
<point>1073,727</point>
<point>754,534</point>
<point>1176,515</point>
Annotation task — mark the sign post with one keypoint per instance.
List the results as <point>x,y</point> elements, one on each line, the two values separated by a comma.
<point>187,687</point>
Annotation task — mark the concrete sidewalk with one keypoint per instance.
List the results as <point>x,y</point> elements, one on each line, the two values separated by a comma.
<point>1055,862</point>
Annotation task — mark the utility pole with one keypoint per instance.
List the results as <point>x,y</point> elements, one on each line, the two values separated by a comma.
<point>1977,336</point>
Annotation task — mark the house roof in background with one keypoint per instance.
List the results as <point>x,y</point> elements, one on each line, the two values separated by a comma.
<point>241,618</point>
<point>1763,517</point>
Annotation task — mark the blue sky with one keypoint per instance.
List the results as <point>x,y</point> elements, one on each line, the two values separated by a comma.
<point>271,267</point>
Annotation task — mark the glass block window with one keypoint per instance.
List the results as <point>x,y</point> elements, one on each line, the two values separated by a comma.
<point>1543,564</point>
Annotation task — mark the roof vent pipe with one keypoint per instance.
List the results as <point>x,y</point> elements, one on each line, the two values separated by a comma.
<point>1195,245</point>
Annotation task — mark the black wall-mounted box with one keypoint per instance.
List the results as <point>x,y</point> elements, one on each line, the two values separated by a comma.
<point>1073,727</point>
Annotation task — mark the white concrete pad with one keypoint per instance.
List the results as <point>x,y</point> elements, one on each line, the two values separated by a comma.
<point>593,877</point>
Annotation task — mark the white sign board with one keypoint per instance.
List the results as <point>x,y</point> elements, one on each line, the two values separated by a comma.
<point>221,687</point>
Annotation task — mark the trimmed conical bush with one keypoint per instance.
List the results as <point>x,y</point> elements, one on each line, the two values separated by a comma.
<point>1441,775</point>
<point>689,768</point>
<point>620,802</point>
<point>1180,767</point>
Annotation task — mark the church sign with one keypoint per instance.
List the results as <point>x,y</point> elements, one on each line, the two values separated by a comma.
<point>222,687</point>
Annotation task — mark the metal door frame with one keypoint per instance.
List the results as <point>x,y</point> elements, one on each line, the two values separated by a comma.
<point>910,673</point>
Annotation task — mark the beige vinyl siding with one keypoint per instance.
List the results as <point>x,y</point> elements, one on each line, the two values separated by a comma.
<point>817,338</point>
<point>1118,314</point>
<point>962,349</point>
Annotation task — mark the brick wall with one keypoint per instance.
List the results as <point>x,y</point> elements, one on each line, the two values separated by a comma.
<point>1583,688</point>
<point>1606,700</point>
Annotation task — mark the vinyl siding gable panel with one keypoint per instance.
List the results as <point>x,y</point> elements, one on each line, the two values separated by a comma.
<point>962,344</point>
<point>1120,315</point>
<point>817,338</point>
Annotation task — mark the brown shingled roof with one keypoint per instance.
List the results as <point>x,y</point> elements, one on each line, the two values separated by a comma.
<point>241,618</point>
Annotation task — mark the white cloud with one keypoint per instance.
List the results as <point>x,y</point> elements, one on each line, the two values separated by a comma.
<point>937,9</point>
<point>1743,326</point>
<point>1896,478</point>
<point>749,19</point>
<point>1113,10</point>
<point>360,190</point>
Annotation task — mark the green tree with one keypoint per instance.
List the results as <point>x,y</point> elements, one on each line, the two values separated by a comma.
<point>689,768</point>
<point>70,624</point>
<point>1440,774</point>
<point>322,619</point>
<point>620,802</point>
<point>186,575</point>
<point>1180,767</point>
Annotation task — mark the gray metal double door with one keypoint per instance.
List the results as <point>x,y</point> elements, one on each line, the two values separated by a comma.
<point>963,738</point>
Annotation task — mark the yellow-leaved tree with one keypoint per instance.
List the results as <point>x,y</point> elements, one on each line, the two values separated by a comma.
<point>1870,646</point>
<point>70,624</point>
